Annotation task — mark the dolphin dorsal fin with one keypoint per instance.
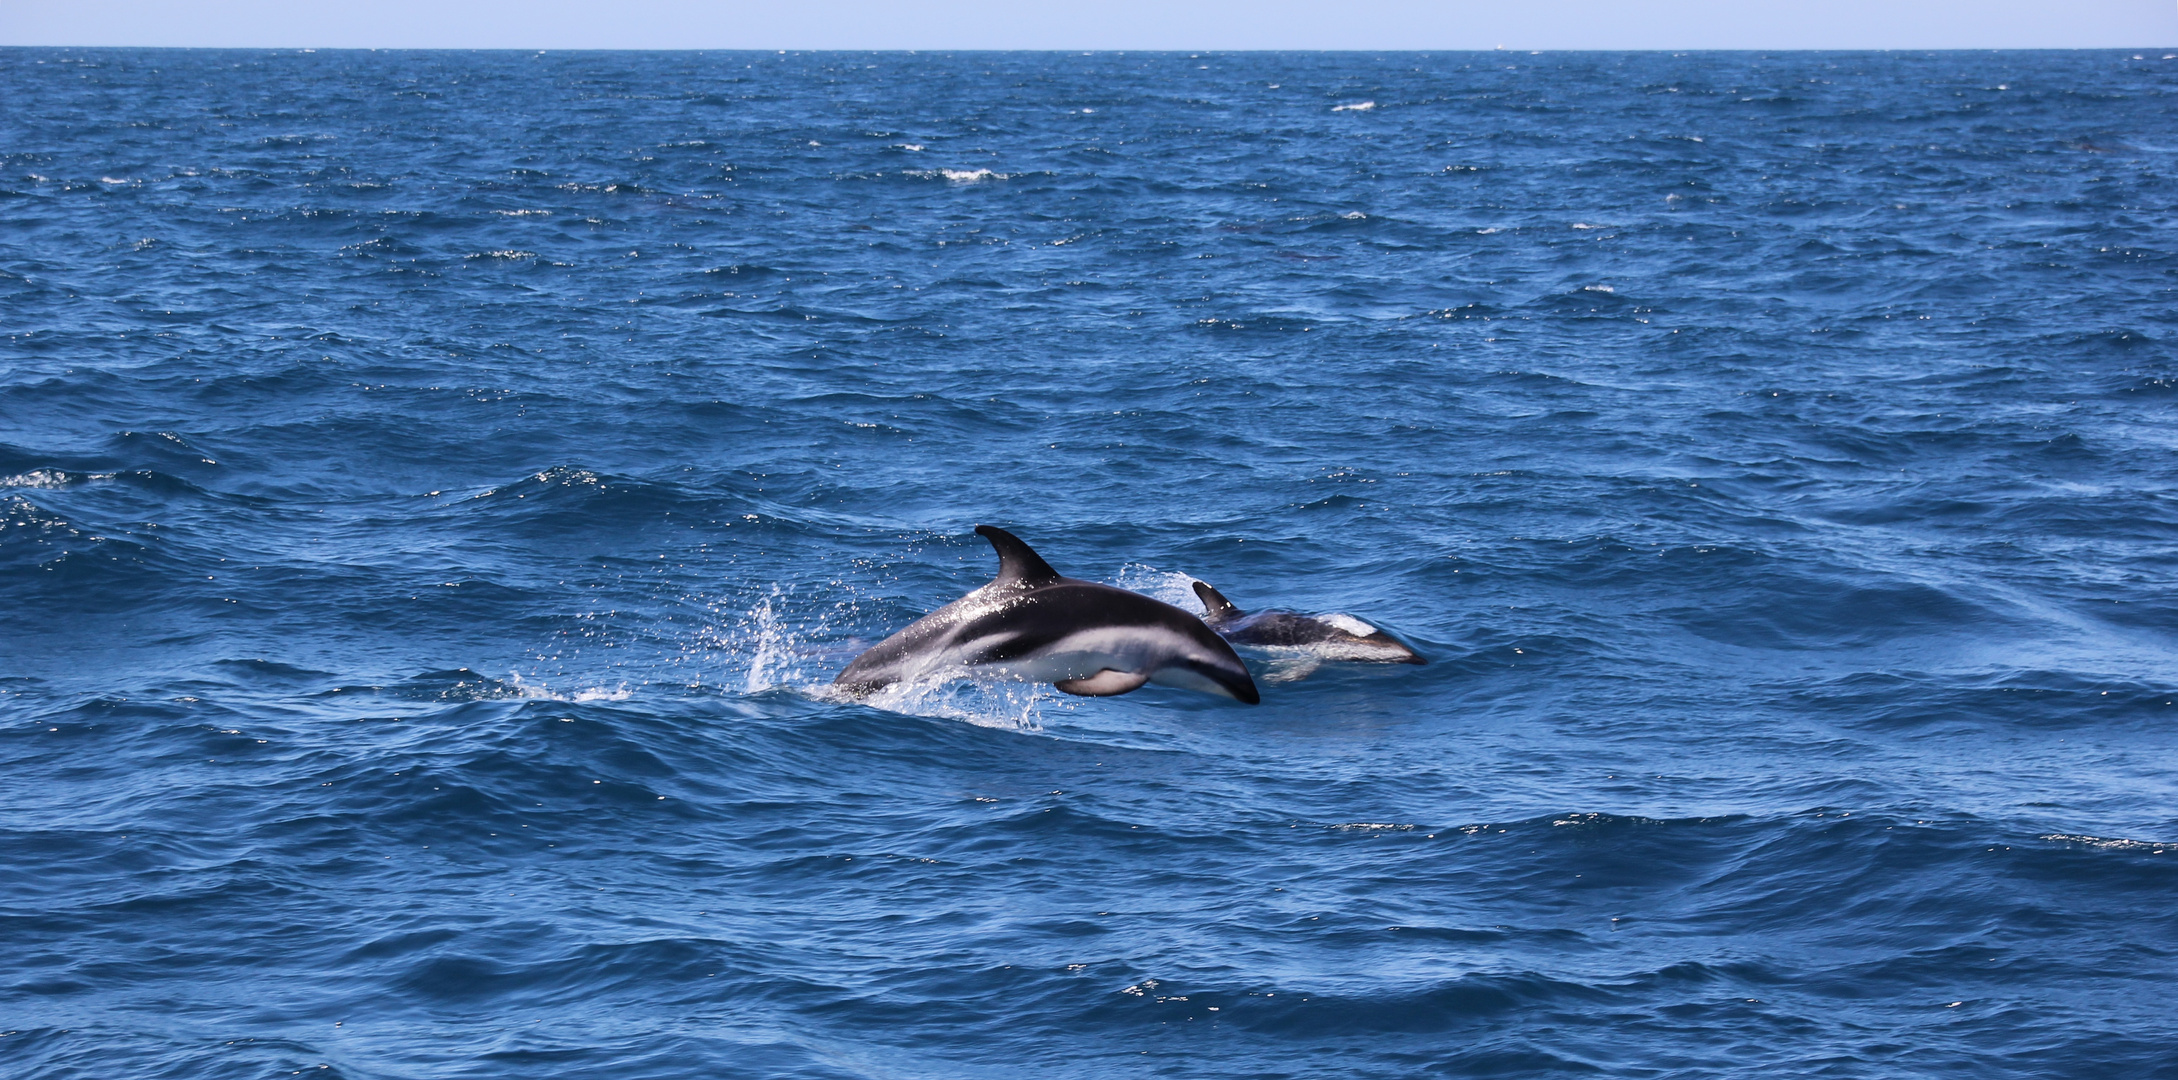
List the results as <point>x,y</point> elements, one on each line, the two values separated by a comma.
<point>1214,603</point>
<point>1017,562</point>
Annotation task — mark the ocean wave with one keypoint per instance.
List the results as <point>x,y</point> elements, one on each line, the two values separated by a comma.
<point>2148,847</point>
<point>959,176</point>
<point>429,667</point>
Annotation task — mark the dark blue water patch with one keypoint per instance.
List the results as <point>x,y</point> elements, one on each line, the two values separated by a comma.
<point>437,490</point>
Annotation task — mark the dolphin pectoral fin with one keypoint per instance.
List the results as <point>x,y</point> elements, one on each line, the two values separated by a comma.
<point>1214,603</point>
<point>1104,683</point>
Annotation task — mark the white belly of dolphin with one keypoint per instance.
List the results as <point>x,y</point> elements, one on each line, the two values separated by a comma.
<point>1093,663</point>
<point>1083,655</point>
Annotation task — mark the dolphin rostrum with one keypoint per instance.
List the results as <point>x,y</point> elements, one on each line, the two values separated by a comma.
<point>1033,625</point>
<point>1330,637</point>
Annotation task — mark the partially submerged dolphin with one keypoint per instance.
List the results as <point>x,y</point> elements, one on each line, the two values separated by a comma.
<point>1330,637</point>
<point>1031,624</point>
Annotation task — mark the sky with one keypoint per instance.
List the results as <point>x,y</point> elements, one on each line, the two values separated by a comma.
<point>1104,24</point>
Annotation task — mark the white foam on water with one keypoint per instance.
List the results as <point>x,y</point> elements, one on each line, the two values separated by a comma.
<point>2152,847</point>
<point>538,691</point>
<point>1359,106</point>
<point>1006,704</point>
<point>50,479</point>
<point>958,176</point>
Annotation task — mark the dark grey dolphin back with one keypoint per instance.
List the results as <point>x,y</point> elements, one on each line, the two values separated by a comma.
<point>1017,562</point>
<point>1216,608</point>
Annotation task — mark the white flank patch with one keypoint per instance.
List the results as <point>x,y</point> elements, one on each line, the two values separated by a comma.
<point>1349,624</point>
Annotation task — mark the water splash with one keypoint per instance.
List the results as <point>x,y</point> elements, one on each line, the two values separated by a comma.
<point>770,647</point>
<point>764,647</point>
<point>1170,586</point>
<point>768,659</point>
<point>1016,706</point>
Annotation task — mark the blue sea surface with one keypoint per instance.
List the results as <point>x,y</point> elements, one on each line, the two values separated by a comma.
<point>437,489</point>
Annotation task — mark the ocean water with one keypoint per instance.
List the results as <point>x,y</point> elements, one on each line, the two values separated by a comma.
<point>437,488</point>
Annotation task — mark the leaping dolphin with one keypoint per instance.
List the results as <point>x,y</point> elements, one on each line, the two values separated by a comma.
<point>1330,637</point>
<point>1033,625</point>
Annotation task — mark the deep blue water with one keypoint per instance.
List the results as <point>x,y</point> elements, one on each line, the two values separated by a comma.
<point>436,488</point>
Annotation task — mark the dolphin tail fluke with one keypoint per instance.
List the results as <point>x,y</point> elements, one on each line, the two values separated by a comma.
<point>1016,560</point>
<point>1214,604</point>
<point>1104,683</point>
